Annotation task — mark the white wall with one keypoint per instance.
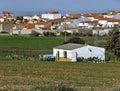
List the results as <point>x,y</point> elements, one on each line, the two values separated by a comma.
<point>69,53</point>
<point>1,19</point>
<point>102,22</point>
<point>95,52</point>
<point>26,31</point>
<point>83,24</point>
<point>51,16</point>
<point>1,27</point>
<point>82,52</point>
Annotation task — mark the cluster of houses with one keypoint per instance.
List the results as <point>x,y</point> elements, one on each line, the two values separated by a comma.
<point>100,23</point>
<point>97,23</point>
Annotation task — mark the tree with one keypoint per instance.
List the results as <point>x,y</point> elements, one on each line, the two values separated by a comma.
<point>113,43</point>
<point>75,39</point>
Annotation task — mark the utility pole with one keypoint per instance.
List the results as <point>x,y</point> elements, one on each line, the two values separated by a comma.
<point>96,38</point>
<point>65,32</point>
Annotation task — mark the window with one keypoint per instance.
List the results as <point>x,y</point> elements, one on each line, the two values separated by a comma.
<point>65,54</point>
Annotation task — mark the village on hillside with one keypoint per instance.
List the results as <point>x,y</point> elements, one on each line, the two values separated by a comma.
<point>55,24</point>
<point>54,21</point>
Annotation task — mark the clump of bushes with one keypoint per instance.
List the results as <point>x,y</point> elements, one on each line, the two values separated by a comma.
<point>49,58</point>
<point>90,59</point>
<point>82,34</point>
<point>49,34</point>
<point>75,39</point>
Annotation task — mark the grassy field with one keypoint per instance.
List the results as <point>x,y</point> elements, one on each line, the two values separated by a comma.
<point>25,75</point>
<point>42,42</point>
<point>30,42</point>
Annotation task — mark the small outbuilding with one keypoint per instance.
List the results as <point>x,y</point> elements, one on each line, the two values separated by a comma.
<point>71,51</point>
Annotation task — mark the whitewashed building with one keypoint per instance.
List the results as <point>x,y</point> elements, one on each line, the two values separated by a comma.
<point>70,52</point>
<point>51,15</point>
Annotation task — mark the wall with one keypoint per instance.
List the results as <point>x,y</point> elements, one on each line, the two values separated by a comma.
<point>90,51</point>
<point>61,54</point>
<point>51,16</point>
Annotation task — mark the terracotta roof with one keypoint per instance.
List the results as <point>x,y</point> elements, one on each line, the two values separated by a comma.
<point>94,22</point>
<point>105,18</point>
<point>74,15</point>
<point>48,26</point>
<point>6,12</point>
<point>113,20</point>
<point>41,23</point>
<point>2,22</point>
<point>53,12</point>
<point>57,20</point>
<point>1,17</point>
<point>29,26</point>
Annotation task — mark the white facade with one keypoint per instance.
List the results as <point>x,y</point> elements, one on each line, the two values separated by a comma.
<point>2,20</point>
<point>25,31</point>
<point>85,52</point>
<point>35,17</point>
<point>27,17</point>
<point>51,16</point>
<point>111,24</point>
<point>101,32</point>
<point>108,16</point>
<point>83,24</point>
<point>103,22</point>
<point>1,27</point>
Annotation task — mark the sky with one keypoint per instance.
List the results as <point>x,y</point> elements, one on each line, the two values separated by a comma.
<point>67,6</point>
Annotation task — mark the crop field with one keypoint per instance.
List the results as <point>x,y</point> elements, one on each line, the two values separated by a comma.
<point>42,42</point>
<point>30,42</point>
<point>26,75</point>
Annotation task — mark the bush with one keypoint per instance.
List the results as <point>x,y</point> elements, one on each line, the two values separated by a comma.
<point>75,39</point>
<point>67,34</point>
<point>49,34</point>
<point>90,59</point>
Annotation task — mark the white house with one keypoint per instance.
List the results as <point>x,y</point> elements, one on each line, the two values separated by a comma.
<point>2,19</point>
<point>51,15</point>
<point>101,31</point>
<point>71,51</point>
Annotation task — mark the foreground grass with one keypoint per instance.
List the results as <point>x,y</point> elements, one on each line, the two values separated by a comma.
<point>82,76</point>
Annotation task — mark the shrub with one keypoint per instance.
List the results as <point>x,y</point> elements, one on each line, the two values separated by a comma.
<point>75,39</point>
<point>49,34</point>
<point>90,59</point>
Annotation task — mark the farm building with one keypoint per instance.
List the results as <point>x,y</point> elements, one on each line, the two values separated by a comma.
<point>71,51</point>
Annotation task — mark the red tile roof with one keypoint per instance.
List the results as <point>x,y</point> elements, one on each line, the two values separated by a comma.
<point>48,26</point>
<point>29,26</point>
<point>41,23</point>
<point>6,12</point>
<point>53,12</point>
<point>57,20</point>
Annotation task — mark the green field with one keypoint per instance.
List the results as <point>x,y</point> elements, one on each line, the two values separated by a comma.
<point>25,75</point>
<point>42,42</point>
<point>30,42</point>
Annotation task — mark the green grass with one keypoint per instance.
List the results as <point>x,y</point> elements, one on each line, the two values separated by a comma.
<point>81,76</point>
<point>30,42</point>
<point>41,42</point>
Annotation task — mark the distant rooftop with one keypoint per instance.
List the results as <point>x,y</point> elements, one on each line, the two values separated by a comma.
<point>53,12</point>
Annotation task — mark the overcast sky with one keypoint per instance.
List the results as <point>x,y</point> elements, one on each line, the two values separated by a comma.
<point>60,5</point>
